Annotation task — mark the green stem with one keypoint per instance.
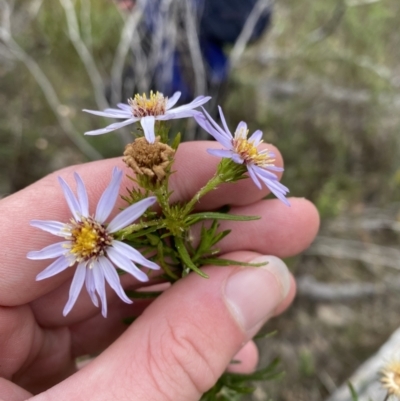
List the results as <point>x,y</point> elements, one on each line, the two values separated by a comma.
<point>164,265</point>
<point>212,184</point>
<point>162,195</point>
<point>121,235</point>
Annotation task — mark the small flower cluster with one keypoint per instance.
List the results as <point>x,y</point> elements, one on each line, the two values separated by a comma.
<point>390,378</point>
<point>101,250</point>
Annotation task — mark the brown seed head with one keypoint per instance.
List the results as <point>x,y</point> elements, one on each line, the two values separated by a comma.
<point>151,159</point>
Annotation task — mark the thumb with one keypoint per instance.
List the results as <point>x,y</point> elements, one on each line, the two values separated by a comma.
<point>185,339</point>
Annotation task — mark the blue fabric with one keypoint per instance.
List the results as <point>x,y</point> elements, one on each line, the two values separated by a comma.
<point>221,22</point>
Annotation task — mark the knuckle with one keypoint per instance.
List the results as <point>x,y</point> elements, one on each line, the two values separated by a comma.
<point>180,363</point>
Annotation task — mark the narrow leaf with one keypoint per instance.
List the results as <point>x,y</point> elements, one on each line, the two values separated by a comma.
<point>354,395</point>
<point>228,262</point>
<point>196,217</point>
<point>184,254</point>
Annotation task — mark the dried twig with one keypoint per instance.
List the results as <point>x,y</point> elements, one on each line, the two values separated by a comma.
<point>260,7</point>
<point>44,84</point>
<point>34,7</point>
<point>86,22</point>
<point>88,61</point>
<point>370,254</point>
<point>84,54</point>
<point>328,28</point>
<point>121,53</point>
<point>194,49</point>
<point>309,287</point>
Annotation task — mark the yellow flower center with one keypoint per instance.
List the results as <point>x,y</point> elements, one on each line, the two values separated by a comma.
<point>142,106</point>
<point>88,239</point>
<point>248,152</point>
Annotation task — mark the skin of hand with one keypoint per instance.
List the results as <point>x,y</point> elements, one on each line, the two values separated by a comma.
<point>183,341</point>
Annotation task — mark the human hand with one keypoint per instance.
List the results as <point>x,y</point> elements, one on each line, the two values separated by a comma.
<point>182,341</point>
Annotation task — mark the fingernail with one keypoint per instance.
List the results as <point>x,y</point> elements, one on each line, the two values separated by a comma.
<point>253,294</point>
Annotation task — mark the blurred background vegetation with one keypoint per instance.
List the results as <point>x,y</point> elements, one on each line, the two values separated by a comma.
<point>324,86</point>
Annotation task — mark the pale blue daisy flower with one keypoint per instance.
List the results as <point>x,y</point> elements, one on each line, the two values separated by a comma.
<point>147,111</point>
<point>243,150</point>
<point>90,243</point>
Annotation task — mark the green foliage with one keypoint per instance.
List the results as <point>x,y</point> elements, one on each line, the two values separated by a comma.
<point>167,235</point>
<point>354,395</point>
<point>306,363</point>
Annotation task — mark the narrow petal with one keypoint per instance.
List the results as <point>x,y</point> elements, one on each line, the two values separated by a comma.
<point>76,287</point>
<point>125,264</point>
<point>253,176</point>
<point>100,286</point>
<point>126,113</point>
<point>205,124</point>
<point>275,168</point>
<point>49,252</point>
<point>82,195</point>
<point>172,115</point>
<point>148,128</point>
<point>278,189</point>
<point>220,153</point>
<point>91,289</point>
<point>227,135</point>
<point>109,197</point>
<point>134,255</point>
<point>130,214</point>
<point>262,172</point>
<point>225,125</point>
<point>72,202</point>
<point>124,107</point>
<point>256,137</point>
<point>241,130</point>
<point>236,158</point>
<point>171,102</point>
<point>112,278</point>
<point>222,137</point>
<point>112,127</point>
<point>56,267</point>
<point>275,186</point>
<point>193,104</point>
<point>110,113</point>
<point>50,226</point>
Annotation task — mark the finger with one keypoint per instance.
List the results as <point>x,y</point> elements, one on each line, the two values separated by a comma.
<point>11,392</point>
<point>31,356</point>
<point>44,201</point>
<point>185,339</point>
<point>48,308</point>
<point>246,360</point>
<point>280,231</point>
<point>289,299</point>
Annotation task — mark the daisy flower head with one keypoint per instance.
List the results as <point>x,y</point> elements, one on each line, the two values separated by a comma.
<point>147,110</point>
<point>243,150</point>
<point>390,377</point>
<point>90,243</point>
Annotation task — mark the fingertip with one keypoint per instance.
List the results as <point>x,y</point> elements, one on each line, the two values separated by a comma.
<point>246,360</point>
<point>288,299</point>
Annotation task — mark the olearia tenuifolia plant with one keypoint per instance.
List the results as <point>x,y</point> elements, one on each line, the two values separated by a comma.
<point>151,232</point>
